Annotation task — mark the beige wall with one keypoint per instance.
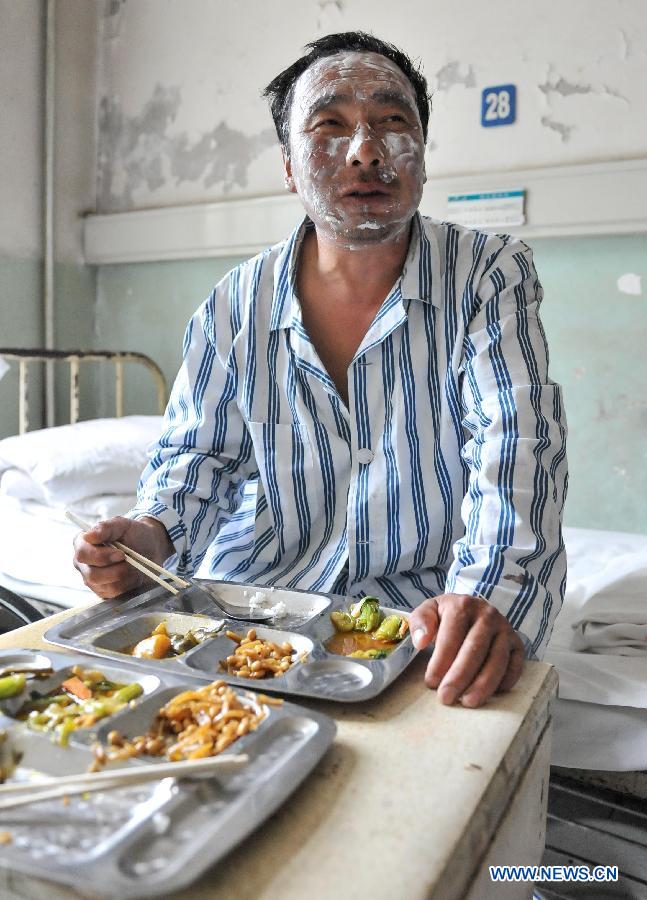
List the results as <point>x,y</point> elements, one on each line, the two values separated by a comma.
<point>182,120</point>
<point>22,62</point>
<point>21,54</point>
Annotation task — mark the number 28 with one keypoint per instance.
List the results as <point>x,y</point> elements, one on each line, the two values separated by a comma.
<point>498,105</point>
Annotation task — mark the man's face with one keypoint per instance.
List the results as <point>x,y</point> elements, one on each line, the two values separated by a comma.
<point>356,148</point>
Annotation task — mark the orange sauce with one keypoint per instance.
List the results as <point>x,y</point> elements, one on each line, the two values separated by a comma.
<point>346,642</point>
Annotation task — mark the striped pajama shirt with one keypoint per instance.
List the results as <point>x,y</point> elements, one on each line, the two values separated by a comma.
<point>446,473</point>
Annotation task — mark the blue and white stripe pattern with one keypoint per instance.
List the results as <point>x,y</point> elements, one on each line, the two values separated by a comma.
<point>446,473</point>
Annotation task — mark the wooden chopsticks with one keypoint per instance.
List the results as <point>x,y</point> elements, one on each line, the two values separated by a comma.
<point>137,560</point>
<point>22,793</point>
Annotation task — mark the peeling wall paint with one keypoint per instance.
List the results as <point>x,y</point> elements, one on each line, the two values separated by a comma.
<point>630,283</point>
<point>452,74</point>
<point>144,152</point>
<point>564,131</point>
<point>567,88</point>
<point>182,119</point>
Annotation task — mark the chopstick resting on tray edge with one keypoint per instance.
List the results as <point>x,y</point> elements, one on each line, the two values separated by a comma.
<point>22,793</point>
<point>137,560</point>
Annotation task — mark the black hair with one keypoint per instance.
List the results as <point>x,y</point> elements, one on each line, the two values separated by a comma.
<point>280,90</point>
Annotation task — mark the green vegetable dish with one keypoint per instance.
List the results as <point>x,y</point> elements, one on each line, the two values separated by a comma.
<point>365,632</point>
<point>11,685</point>
<point>78,702</point>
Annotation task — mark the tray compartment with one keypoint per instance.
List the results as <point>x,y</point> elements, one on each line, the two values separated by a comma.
<point>37,688</point>
<point>125,635</point>
<point>300,606</point>
<point>24,658</point>
<point>206,658</point>
<point>324,629</point>
<point>334,677</point>
<point>84,829</point>
<point>138,720</point>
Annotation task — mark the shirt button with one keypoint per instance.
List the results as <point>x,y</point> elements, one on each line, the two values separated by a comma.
<point>365,456</point>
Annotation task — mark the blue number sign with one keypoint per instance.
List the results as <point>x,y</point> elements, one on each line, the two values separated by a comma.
<point>498,105</point>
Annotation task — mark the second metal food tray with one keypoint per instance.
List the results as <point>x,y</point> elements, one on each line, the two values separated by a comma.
<point>151,838</point>
<point>108,629</point>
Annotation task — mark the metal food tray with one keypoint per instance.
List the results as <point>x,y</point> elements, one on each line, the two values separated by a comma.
<point>156,837</point>
<point>109,627</point>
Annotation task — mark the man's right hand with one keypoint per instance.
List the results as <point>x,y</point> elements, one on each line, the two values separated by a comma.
<point>104,569</point>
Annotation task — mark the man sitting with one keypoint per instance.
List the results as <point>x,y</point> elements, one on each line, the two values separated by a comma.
<point>365,408</point>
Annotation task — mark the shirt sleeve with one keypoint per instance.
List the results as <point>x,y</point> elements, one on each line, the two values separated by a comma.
<point>512,553</point>
<point>198,467</point>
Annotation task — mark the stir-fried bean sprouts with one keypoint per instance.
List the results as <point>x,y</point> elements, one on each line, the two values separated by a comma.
<point>196,723</point>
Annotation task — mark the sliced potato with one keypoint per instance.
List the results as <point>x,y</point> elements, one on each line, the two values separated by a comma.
<point>156,646</point>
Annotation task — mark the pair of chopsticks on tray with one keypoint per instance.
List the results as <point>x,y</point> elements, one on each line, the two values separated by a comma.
<point>21,793</point>
<point>142,563</point>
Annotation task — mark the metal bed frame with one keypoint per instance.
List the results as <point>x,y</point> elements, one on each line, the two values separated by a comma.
<point>591,825</point>
<point>74,358</point>
<point>15,610</point>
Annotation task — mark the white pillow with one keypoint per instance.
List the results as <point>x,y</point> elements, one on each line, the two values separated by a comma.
<point>71,462</point>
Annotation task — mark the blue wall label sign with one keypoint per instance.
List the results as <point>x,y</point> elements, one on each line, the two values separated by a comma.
<point>498,105</point>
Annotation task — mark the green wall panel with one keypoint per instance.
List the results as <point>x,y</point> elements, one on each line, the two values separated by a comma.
<point>597,337</point>
<point>145,307</point>
<point>20,326</point>
<point>75,289</point>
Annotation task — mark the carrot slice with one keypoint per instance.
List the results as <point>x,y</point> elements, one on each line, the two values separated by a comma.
<point>76,687</point>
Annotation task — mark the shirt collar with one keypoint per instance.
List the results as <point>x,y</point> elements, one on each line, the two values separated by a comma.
<point>422,272</point>
<point>420,279</point>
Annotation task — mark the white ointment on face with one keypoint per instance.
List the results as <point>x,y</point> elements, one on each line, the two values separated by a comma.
<point>356,148</point>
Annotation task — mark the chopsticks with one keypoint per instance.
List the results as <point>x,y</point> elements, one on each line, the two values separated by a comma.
<point>23,793</point>
<point>137,560</point>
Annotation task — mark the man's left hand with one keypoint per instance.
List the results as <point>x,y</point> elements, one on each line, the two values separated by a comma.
<point>477,652</point>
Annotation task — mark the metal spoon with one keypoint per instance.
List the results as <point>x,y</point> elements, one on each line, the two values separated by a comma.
<point>233,612</point>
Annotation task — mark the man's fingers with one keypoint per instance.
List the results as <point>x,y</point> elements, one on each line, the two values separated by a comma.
<point>515,668</point>
<point>110,581</point>
<point>468,662</point>
<point>108,530</point>
<point>89,546</point>
<point>103,568</point>
<point>423,623</point>
<point>454,626</point>
<point>492,673</point>
<point>90,554</point>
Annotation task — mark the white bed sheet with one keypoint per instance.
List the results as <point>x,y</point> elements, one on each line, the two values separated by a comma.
<point>52,597</point>
<point>36,554</point>
<point>92,467</point>
<point>600,716</point>
<point>600,737</point>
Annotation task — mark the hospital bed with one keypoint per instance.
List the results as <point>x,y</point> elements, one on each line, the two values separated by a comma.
<point>91,467</point>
